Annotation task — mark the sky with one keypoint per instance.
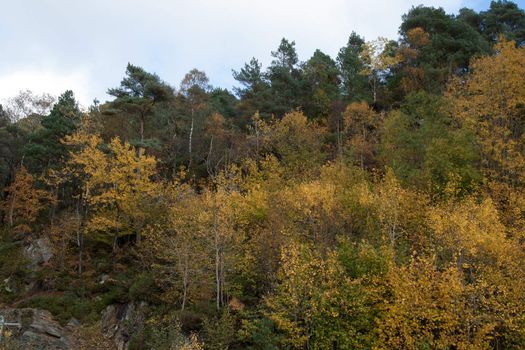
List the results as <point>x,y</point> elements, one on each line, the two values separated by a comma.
<point>54,45</point>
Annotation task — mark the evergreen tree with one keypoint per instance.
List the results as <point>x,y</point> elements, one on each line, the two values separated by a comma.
<point>44,148</point>
<point>286,79</point>
<point>452,42</point>
<point>255,91</point>
<point>503,18</point>
<point>137,96</point>
<point>354,85</point>
<point>322,83</point>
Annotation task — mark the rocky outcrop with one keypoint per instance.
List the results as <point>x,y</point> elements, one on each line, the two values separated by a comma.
<point>39,252</point>
<point>121,321</point>
<point>38,330</point>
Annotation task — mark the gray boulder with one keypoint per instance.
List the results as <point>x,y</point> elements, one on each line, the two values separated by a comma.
<point>38,330</point>
<point>39,252</point>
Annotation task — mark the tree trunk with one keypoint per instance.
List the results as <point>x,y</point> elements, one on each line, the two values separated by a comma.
<point>142,120</point>
<point>190,141</point>
<point>257,147</point>
<point>375,90</point>
<point>223,300</point>
<point>80,240</point>
<point>217,257</point>
<point>339,141</point>
<point>11,210</point>
<point>208,160</point>
<point>217,278</point>
<point>184,285</point>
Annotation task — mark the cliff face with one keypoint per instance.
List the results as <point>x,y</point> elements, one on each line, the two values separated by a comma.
<point>120,321</point>
<point>38,329</point>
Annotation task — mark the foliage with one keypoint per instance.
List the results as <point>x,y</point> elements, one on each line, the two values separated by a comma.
<point>219,332</point>
<point>44,149</point>
<point>426,148</point>
<point>345,203</point>
<point>23,202</point>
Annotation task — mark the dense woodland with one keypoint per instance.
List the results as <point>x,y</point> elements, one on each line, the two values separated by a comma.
<point>373,200</point>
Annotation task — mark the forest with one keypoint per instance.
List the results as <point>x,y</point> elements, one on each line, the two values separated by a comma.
<point>372,200</point>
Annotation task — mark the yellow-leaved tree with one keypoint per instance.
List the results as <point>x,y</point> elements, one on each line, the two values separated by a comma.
<point>24,201</point>
<point>298,143</point>
<point>492,269</point>
<point>426,309</point>
<point>360,124</point>
<point>178,241</point>
<point>218,218</point>
<point>491,101</point>
<point>378,56</point>
<point>116,186</point>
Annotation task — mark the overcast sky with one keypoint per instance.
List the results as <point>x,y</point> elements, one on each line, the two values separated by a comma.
<point>54,45</point>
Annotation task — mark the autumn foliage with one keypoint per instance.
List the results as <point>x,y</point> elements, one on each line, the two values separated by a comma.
<point>389,219</point>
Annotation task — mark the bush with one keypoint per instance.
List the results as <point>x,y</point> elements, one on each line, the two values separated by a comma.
<point>142,287</point>
<point>68,305</point>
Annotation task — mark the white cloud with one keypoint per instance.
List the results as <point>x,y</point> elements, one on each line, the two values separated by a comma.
<point>52,82</point>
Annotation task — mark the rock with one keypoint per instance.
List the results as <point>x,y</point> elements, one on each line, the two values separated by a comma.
<point>103,278</point>
<point>73,323</point>
<point>39,252</point>
<point>121,321</point>
<point>38,329</point>
<point>7,285</point>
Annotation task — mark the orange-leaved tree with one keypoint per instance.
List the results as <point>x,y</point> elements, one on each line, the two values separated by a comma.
<point>24,201</point>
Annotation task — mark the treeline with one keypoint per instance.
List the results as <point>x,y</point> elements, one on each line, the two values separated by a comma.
<point>374,200</point>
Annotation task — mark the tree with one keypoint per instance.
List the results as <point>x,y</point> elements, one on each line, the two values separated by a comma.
<point>503,18</point>
<point>44,148</point>
<point>414,76</point>
<point>116,186</point>
<point>178,242</point>
<point>222,101</point>
<point>471,17</point>
<point>360,127</point>
<point>24,201</point>
<point>29,105</point>
<point>250,76</point>
<point>217,217</point>
<point>321,77</point>
<point>292,306</point>
<point>472,239</point>
<point>286,79</point>
<point>298,143</point>
<point>354,85</point>
<point>195,88</point>
<point>450,45</point>
<point>12,141</point>
<point>426,148</point>
<point>219,152</point>
<point>490,101</point>
<point>219,332</point>
<point>427,309</point>
<point>138,94</point>
<point>378,57</point>
<point>255,91</point>
<point>451,41</point>
<point>318,304</point>
<point>390,200</point>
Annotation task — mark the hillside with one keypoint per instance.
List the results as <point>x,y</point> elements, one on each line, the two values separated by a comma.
<point>373,200</point>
